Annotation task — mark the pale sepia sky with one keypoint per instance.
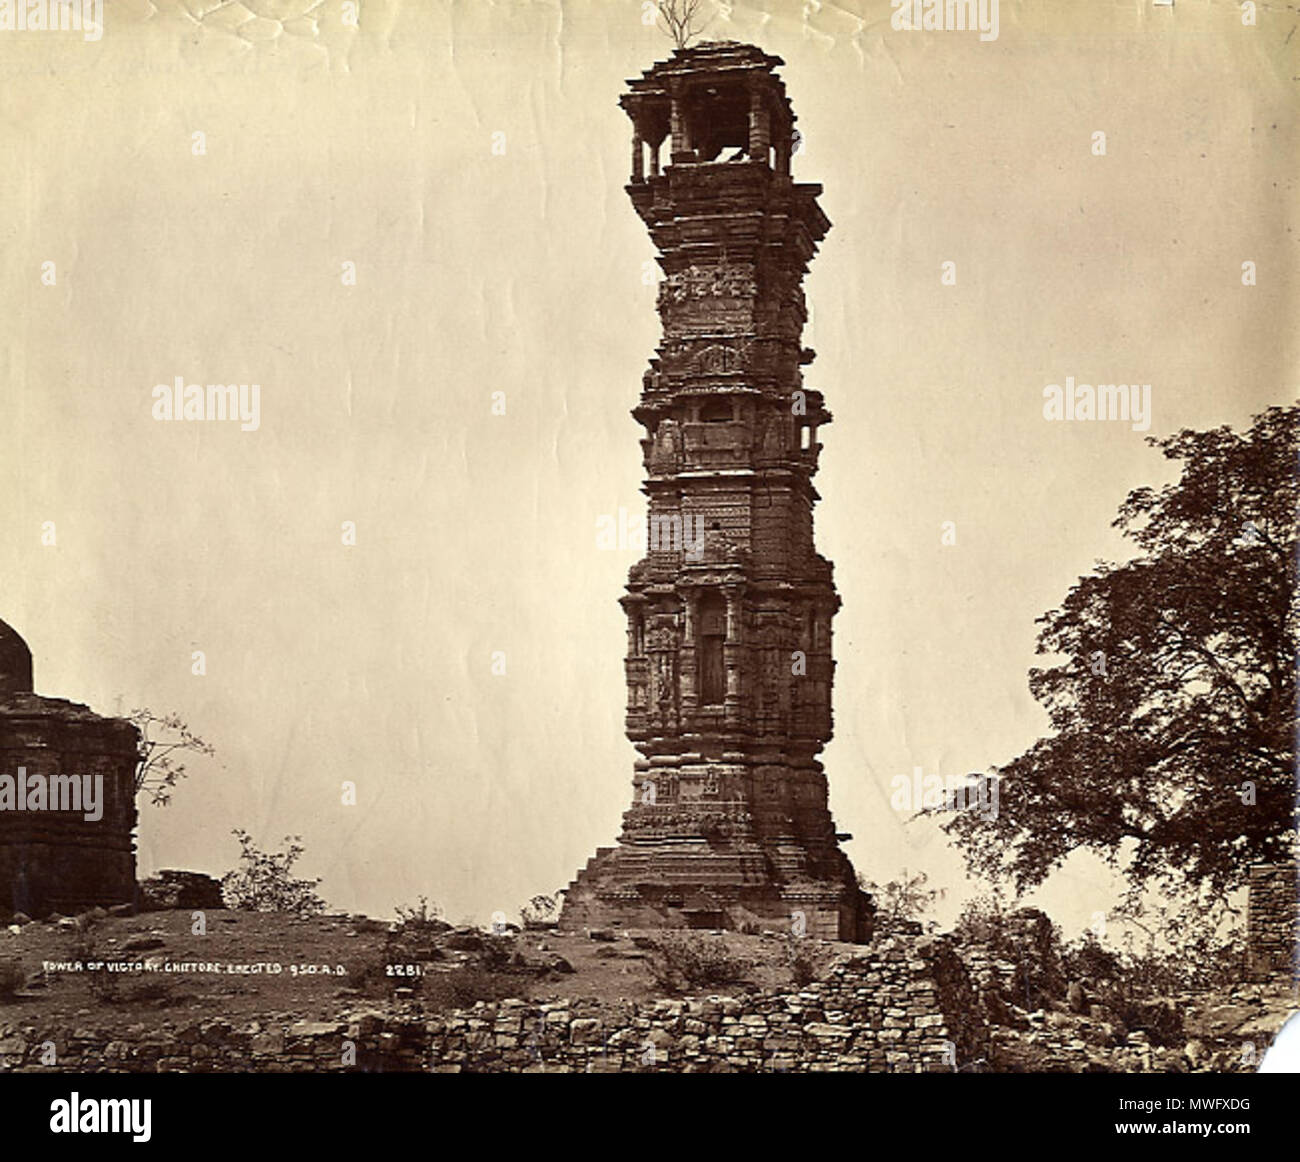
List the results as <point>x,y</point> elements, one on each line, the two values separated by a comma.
<point>522,272</point>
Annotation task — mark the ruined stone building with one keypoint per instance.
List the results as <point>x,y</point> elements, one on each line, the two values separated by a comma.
<point>1273,922</point>
<point>729,614</point>
<point>55,859</point>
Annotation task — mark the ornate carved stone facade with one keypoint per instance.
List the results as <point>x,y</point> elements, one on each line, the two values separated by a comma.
<point>60,860</point>
<point>729,662</point>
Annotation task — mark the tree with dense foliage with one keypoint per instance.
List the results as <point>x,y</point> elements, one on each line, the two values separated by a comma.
<point>1173,711</point>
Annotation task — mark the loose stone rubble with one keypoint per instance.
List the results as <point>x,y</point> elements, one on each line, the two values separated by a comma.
<point>901,1006</point>
<point>906,1003</point>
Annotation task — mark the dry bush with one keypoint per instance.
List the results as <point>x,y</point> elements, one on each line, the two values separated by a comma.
<point>685,960</point>
<point>807,961</point>
<point>264,881</point>
<point>464,987</point>
<point>369,975</point>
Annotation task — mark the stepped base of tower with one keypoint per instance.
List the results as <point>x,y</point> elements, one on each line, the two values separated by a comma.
<point>691,883</point>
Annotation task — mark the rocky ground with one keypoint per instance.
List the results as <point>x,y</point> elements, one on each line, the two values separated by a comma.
<point>1223,1031</point>
<point>120,969</point>
<point>131,973</point>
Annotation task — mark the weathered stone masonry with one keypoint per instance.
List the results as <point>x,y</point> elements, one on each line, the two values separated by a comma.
<point>729,665</point>
<point>59,861</point>
<point>903,1006</point>
<point>1273,924</point>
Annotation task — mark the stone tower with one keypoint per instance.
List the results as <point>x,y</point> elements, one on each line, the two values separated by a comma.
<point>729,613</point>
<point>53,857</point>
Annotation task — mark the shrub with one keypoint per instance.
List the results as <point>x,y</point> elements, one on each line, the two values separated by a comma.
<point>1190,943</point>
<point>903,901</point>
<point>984,921</point>
<point>1183,945</point>
<point>265,883</point>
<point>807,960</point>
<point>497,952</point>
<point>84,941</point>
<point>681,960</point>
<point>1088,958</point>
<point>464,987</point>
<point>541,912</point>
<point>1024,939</point>
<point>369,975</point>
<point>103,985</point>
<point>415,937</point>
<point>421,915</point>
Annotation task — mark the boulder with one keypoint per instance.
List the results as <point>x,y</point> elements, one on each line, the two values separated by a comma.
<point>179,889</point>
<point>144,943</point>
<point>1076,996</point>
<point>464,940</point>
<point>586,1031</point>
<point>1160,1018</point>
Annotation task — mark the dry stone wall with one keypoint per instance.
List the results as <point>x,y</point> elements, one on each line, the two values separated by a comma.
<point>903,1005</point>
<point>1271,927</point>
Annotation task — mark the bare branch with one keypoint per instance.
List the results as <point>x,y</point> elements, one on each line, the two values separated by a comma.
<point>682,19</point>
<point>161,735</point>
